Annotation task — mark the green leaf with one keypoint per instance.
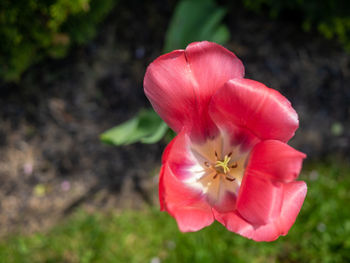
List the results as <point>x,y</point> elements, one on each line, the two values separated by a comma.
<point>196,20</point>
<point>145,127</point>
<point>221,35</point>
<point>157,136</point>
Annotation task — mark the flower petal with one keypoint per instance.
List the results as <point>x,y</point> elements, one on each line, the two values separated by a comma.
<point>227,204</point>
<point>186,204</point>
<point>250,104</point>
<point>180,85</point>
<point>212,66</point>
<point>259,200</point>
<point>276,160</point>
<point>293,198</point>
<point>192,219</point>
<point>168,84</point>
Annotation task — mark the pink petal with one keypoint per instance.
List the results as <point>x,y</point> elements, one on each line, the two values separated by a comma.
<point>186,204</point>
<point>250,104</point>
<point>212,66</point>
<point>239,137</point>
<point>227,204</point>
<point>180,85</point>
<point>192,219</point>
<point>235,223</point>
<point>168,84</point>
<point>293,198</point>
<point>259,200</point>
<point>276,160</point>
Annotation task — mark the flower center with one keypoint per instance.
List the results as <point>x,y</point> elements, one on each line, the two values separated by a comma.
<point>219,168</point>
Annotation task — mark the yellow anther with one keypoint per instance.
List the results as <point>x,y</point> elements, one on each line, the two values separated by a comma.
<point>224,164</point>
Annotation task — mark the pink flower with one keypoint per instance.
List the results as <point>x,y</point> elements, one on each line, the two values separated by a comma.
<point>229,161</point>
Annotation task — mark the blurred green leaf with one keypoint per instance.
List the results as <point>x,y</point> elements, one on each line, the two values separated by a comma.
<point>145,127</point>
<point>196,20</point>
<point>329,17</point>
<point>158,135</point>
<point>31,30</point>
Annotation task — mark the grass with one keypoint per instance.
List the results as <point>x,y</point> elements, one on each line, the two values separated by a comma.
<point>320,234</point>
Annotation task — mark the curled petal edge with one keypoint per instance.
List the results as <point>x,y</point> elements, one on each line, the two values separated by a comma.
<point>294,195</point>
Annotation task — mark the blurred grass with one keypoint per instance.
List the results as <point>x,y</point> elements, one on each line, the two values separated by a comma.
<point>320,234</point>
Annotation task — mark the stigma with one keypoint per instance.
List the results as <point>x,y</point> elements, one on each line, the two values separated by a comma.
<point>224,164</point>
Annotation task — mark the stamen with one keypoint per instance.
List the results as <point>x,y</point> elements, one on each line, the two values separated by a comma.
<point>234,165</point>
<point>216,155</point>
<point>229,155</point>
<point>216,175</point>
<point>206,164</point>
<point>230,179</point>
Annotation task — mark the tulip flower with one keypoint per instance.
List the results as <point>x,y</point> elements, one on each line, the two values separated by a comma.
<point>229,161</point>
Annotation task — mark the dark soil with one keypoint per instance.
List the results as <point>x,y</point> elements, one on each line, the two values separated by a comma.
<point>52,161</point>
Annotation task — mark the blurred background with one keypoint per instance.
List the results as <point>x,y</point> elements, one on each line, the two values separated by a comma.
<point>72,69</point>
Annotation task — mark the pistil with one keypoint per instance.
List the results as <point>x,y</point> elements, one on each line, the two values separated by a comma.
<point>224,164</point>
